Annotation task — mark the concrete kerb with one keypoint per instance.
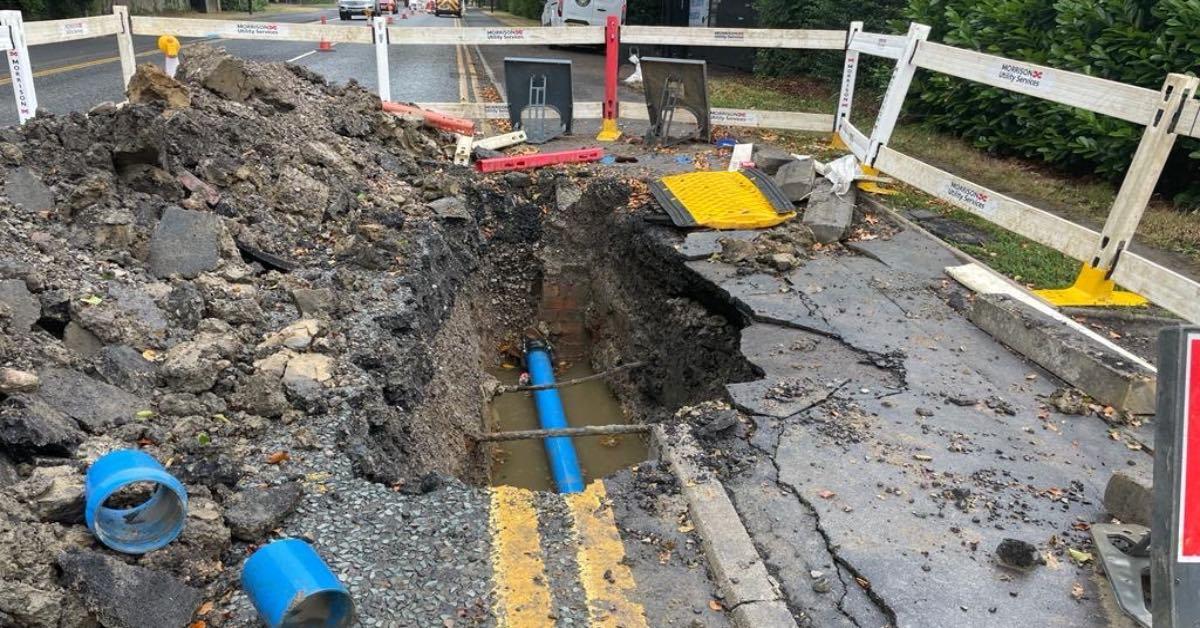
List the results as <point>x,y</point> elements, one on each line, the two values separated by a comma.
<point>750,593</point>
<point>1068,354</point>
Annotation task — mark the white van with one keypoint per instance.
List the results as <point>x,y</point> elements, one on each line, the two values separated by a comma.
<point>581,12</point>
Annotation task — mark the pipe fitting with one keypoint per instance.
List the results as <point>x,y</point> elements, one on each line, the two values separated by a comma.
<point>291,586</point>
<point>141,528</point>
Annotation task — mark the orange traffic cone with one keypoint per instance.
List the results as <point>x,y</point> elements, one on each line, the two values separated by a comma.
<point>324,45</point>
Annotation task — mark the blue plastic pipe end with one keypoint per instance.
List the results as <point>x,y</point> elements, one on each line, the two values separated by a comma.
<point>564,464</point>
<point>291,586</point>
<point>141,528</point>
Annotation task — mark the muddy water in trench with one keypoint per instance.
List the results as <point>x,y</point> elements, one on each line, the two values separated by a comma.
<point>523,463</point>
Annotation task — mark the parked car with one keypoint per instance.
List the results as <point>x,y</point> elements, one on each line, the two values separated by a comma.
<point>581,12</point>
<point>349,8</point>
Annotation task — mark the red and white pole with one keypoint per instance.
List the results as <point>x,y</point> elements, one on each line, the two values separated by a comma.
<point>609,131</point>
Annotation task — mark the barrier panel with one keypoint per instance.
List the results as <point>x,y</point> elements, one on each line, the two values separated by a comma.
<point>1167,113</point>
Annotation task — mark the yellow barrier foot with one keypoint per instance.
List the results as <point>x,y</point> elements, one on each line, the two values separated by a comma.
<point>836,143</point>
<point>609,131</point>
<point>1091,289</point>
<point>872,186</point>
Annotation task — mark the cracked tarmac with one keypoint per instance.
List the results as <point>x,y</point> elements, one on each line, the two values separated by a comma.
<point>894,445</point>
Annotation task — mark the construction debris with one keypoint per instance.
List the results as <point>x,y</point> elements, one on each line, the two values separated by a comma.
<point>828,214</point>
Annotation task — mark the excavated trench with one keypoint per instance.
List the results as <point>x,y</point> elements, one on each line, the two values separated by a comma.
<point>605,288</point>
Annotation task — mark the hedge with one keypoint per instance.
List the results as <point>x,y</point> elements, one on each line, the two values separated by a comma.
<point>832,14</point>
<point>1132,41</point>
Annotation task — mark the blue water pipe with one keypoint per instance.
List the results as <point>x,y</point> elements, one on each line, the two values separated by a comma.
<point>291,586</point>
<point>564,464</point>
<point>142,528</point>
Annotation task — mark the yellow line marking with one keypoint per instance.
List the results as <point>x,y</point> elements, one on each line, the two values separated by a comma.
<point>462,70</point>
<point>607,581</point>
<point>522,592</point>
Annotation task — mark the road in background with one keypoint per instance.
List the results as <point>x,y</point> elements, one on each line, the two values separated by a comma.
<point>76,76</point>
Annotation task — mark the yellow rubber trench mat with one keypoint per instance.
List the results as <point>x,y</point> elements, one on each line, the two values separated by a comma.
<point>746,199</point>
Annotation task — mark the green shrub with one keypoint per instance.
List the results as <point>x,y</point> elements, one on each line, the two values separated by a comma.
<point>819,14</point>
<point>1132,41</point>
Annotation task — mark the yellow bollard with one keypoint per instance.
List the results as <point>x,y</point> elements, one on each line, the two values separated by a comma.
<point>169,46</point>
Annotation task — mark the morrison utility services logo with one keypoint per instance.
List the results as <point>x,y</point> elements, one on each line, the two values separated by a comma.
<point>16,65</point>
<point>734,117</point>
<point>1023,75</point>
<point>73,29</point>
<point>729,35</point>
<point>505,34</point>
<point>257,29</point>
<point>973,199</point>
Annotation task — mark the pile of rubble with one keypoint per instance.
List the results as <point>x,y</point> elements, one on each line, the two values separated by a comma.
<point>225,255</point>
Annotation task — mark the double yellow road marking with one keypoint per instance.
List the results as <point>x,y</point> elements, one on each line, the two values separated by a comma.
<point>522,589</point>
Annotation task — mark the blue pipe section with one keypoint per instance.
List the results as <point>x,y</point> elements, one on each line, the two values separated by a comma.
<point>142,528</point>
<point>290,586</point>
<point>564,464</point>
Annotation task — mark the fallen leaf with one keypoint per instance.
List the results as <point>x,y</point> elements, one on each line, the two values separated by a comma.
<point>922,457</point>
<point>1079,556</point>
<point>92,299</point>
<point>205,608</point>
<point>278,457</point>
<point>199,623</point>
<point>715,605</point>
<point>826,494</point>
<point>150,355</point>
<point>1077,591</point>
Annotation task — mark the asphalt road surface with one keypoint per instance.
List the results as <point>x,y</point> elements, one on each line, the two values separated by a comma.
<point>75,76</point>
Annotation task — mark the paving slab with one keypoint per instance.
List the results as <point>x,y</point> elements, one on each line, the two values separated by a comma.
<point>938,445</point>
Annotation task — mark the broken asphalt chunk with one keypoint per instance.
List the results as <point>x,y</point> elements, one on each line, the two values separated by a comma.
<point>127,596</point>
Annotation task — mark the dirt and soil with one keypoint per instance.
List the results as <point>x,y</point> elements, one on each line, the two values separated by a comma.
<point>244,252</point>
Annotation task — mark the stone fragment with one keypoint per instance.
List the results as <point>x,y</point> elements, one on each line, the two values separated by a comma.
<point>1129,499</point>
<point>253,513</point>
<point>127,596</point>
<point>450,207</point>
<point>829,215</point>
<point>186,243</point>
<point>770,159</point>
<point>194,366</point>
<point>26,191</point>
<point>14,381</point>
<point>96,405</point>
<point>307,373</point>
<point>1018,554</point>
<point>124,366</point>
<point>737,250</point>
<point>83,342</point>
<point>261,394</point>
<point>30,425</point>
<point>297,336</point>
<point>275,364</point>
<point>53,494</point>
<point>29,606</point>
<point>8,472</point>
<point>796,178</point>
<point>313,302</point>
<point>784,262</point>
<point>24,309</point>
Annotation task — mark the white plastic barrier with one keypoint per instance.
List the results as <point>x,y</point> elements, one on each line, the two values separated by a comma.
<point>1167,113</point>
